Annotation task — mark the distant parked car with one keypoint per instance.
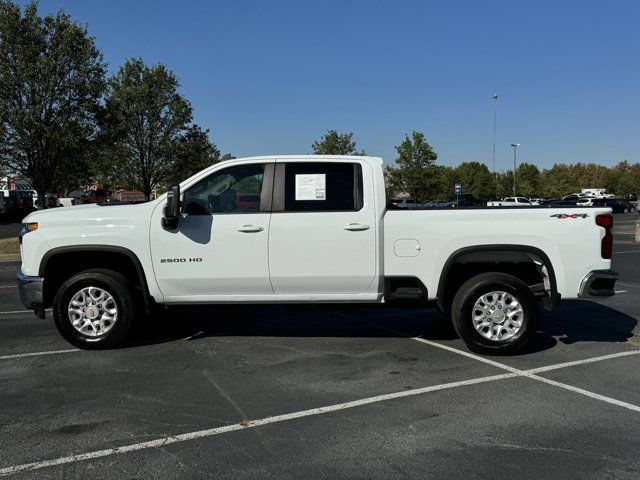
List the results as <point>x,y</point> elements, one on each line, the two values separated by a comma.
<point>620,205</point>
<point>511,202</point>
<point>53,201</point>
<point>574,196</point>
<point>3,211</point>
<point>403,203</point>
<point>632,197</point>
<point>19,203</point>
<point>600,202</point>
<point>585,202</point>
<point>563,203</point>
<point>66,201</point>
<point>436,204</point>
<point>94,196</point>
<point>465,200</point>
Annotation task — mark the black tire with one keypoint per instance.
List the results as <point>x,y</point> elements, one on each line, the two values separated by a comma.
<point>112,282</point>
<point>472,290</point>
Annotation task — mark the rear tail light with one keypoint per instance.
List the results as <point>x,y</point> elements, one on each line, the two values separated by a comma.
<point>606,246</point>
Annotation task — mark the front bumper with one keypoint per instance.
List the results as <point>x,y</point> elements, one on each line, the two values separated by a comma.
<point>30,289</point>
<point>598,283</point>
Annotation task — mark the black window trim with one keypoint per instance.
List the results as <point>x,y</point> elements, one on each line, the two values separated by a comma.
<point>266,194</point>
<point>279,187</point>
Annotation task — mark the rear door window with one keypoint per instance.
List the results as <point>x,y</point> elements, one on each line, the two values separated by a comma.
<point>322,186</point>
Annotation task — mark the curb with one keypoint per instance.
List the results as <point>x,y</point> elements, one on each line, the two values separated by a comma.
<point>9,257</point>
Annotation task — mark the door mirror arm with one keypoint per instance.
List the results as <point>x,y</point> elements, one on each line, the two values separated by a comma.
<point>171,215</point>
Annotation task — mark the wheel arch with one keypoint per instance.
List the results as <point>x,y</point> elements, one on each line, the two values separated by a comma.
<point>501,254</point>
<point>108,253</point>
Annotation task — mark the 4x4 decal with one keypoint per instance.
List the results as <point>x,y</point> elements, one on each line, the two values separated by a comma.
<point>561,216</point>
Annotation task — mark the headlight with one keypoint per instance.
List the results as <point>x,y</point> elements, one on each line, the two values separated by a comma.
<point>26,228</point>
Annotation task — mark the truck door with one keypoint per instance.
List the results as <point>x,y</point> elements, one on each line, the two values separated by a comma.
<point>322,238</point>
<point>220,244</point>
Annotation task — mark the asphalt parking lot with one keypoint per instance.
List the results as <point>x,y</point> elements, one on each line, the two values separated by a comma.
<point>326,392</point>
<point>9,229</point>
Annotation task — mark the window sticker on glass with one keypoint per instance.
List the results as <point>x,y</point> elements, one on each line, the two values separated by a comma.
<point>311,186</point>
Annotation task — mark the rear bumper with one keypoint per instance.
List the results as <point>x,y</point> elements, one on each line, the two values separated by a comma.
<point>30,289</point>
<point>598,283</point>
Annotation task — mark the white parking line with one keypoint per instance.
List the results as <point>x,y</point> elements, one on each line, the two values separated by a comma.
<point>557,366</point>
<point>9,286</point>
<point>160,442</point>
<point>38,354</point>
<point>533,376</point>
<point>513,372</point>
<point>622,253</point>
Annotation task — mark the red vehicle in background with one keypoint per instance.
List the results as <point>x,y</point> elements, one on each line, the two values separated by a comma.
<point>94,196</point>
<point>247,203</point>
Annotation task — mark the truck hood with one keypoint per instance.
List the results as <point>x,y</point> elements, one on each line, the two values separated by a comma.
<point>91,214</point>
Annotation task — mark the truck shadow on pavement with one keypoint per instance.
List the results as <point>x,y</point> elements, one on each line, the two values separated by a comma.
<point>572,322</point>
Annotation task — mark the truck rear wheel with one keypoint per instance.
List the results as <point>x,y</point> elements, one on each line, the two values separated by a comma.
<point>94,309</point>
<point>495,313</point>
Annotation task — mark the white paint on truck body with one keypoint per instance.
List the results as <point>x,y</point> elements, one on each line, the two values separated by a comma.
<point>311,256</point>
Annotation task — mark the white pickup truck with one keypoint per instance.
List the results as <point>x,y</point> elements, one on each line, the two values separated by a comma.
<point>308,229</point>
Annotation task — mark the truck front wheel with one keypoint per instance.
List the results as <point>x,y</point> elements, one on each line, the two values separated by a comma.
<point>495,313</point>
<point>94,309</point>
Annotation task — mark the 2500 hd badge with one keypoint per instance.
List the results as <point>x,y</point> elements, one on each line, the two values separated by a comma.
<point>180,260</point>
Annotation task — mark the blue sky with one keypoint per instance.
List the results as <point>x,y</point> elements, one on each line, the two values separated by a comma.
<point>270,77</point>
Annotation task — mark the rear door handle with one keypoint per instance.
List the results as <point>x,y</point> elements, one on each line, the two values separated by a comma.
<point>250,229</point>
<point>356,227</point>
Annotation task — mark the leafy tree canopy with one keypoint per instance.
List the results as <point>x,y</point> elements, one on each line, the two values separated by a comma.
<point>415,171</point>
<point>334,143</point>
<point>51,82</point>
<point>475,178</point>
<point>194,152</point>
<point>144,119</point>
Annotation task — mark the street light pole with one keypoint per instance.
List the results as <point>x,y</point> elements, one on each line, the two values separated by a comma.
<point>515,153</point>
<point>495,108</point>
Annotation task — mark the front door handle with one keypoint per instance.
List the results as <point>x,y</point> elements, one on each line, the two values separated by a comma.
<point>356,227</point>
<point>250,229</point>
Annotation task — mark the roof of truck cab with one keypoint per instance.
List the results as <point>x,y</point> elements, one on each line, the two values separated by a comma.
<point>309,158</point>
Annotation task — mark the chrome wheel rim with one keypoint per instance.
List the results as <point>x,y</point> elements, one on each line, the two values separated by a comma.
<point>497,316</point>
<point>93,311</point>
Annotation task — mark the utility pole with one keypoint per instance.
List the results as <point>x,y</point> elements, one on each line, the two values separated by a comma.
<point>515,153</point>
<point>495,108</point>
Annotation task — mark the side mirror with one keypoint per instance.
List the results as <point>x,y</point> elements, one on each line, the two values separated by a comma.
<point>172,209</point>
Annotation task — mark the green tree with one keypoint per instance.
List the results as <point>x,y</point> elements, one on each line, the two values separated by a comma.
<point>446,179</point>
<point>194,152</point>
<point>503,182</point>
<point>475,178</point>
<point>415,172</point>
<point>558,181</point>
<point>334,143</point>
<point>51,82</point>
<point>144,119</point>
<point>527,180</point>
<point>626,178</point>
